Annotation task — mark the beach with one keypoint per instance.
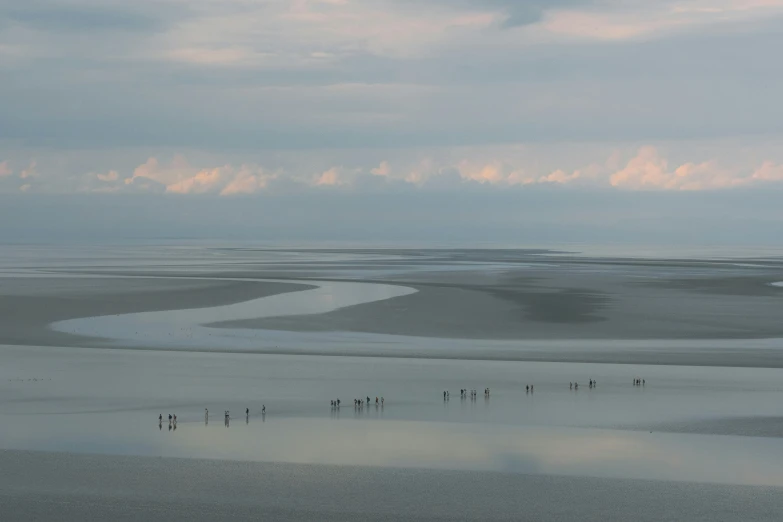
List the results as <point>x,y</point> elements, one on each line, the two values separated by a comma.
<point>93,350</point>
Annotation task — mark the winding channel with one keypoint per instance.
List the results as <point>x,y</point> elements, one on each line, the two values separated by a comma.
<point>186,327</point>
<point>189,330</point>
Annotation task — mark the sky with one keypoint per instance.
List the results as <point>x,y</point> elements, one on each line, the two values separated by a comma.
<point>521,119</point>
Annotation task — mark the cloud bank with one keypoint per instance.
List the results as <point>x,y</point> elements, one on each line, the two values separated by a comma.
<point>648,169</point>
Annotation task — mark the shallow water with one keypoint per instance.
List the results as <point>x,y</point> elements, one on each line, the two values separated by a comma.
<point>108,401</point>
<point>688,423</point>
<point>185,327</point>
<point>189,329</point>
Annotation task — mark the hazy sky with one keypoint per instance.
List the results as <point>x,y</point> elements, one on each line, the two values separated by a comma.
<point>336,101</point>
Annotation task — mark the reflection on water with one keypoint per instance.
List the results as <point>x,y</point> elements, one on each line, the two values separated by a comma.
<point>110,401</point>
<point>420,444</point>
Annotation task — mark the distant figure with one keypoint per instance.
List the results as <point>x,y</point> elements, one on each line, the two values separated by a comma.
<point>175,418</point>
<point>576,385</point>
<point>381,401</point>
<point>338,403</point>
<point>527,389</point>
<point>531,388</point>
<point>160,418</point>
<point>169,418</point>
<point>570,386</point>
<point>263,409</point>
<point>642,382</point>
<point>247,412</point>
<point>444,395</point>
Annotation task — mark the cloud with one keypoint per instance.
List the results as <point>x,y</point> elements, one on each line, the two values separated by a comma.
<point>647,168</point>
<point>333,177</point>
<point>384,169</point>
<point>111,176</point>
<point>650,170</point>
<point>202,182</point>
<point>179,177</point>
<point>30,172</point>
<point>248,180</point>
<point>652,19</point>
<point>768,171</point>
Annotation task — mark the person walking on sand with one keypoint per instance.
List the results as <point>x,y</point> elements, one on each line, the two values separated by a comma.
<point>263,409</point>
<point>381,402</point>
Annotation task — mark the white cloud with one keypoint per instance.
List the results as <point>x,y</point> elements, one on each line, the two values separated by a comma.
<point>769,171</point>
<point>110,176</point>
<point>384,169</point>
<point>650,170</point>
<point>248,180</point>
<point>201,182</point>
<point>514,166</point>
<point>179,177</point>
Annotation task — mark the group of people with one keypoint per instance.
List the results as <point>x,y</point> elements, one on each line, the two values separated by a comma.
<point>575,385</point>
<point>226,417</point>
<point>472,394</point>
<point>465,393</point>
<point>358,403</point>
<point>172,421</point>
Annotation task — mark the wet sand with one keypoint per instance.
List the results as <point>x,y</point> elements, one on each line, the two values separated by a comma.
<point>561,306</point>
<point>99,488</point>
<point>699,442</point>
<point>29,305</point>
<point>495,305</point>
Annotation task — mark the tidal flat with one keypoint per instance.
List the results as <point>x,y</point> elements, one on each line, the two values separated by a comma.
<point>98,342</point>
